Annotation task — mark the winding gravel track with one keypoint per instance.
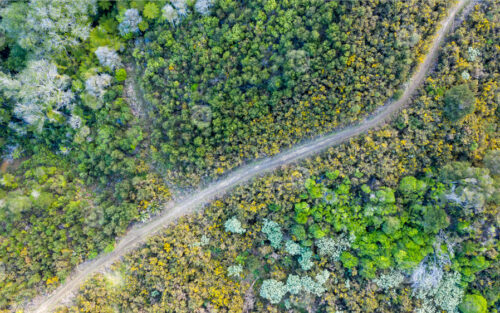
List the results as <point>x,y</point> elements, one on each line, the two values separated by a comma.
<point>138,234</point>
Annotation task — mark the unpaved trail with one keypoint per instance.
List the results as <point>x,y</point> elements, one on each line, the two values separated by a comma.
<point>138,234</point>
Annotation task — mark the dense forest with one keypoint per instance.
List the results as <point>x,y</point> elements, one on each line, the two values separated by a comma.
<point>110,109</point>
<point>254,77</point>
<point>404,219</point>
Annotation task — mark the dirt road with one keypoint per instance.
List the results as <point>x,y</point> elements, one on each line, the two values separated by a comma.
<point>138,235</point>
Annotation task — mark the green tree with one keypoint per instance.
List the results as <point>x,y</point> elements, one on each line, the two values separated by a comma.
<point>299,232</point>
<point>151,11</point>
<point>473,304</point>
<point>121,75</point>
<point>459,101</point>
<point>348,260</point>
<point>435,219</point>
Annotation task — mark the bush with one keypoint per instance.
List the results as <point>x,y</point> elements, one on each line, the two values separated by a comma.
<point>305,259</point>
<point>151,11</point>
<point>435,219</point>
<point>348,260</point>
<point>108,57</point>
<point>391,225</point>
<point>473,304</point>
<point>273,290</point>
<point>332,248</point>
<point>299,232</point>
<point>233,225</point>
<point>273,232</point>
<point>130,22</point>
<point>390,280</point>
<point>121,75</point>
<point>459,101</point>
<point>292,248</point>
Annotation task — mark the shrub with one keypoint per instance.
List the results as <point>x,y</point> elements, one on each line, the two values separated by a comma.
<point>233,225</point>
<point>292,248</point>
<point>96,85</point>
<point>390,280</point>
<point>293,284</point>
<point>130,22</point>
<point>151,11</point>
<point>273,290</point>
<point>398,94</point>
<point>459,101</point>
<point>332,248</point>
<point>42,94</point>
<point>273,232</point>
<point>473,304</point>
<point>348,260</point>
<point>234,270</point>
<point>305,259</point>
<point>121,75</point>
<point>203,6</point>
<point>48,26</point>
<point>107,57</point>
<point>299,232</point>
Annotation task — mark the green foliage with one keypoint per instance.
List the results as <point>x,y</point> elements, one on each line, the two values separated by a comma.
<point>332,175</point>
<point>274,207</point>
<point>216,99</point>
<point>315,190</point>
<point>385,196</point>
<point>459,101</point>
<point>410,185</point>
<point>316,231</point>
<point>298,60</point>
<point>435,219</point>
<point>302,212</point>
<point>151,11</point>
<point>473,304</point>
<point>121,74</point>
<point>348,260</point>
<point>299,232</point>
<point>109,248</point>
<point>391,225</point>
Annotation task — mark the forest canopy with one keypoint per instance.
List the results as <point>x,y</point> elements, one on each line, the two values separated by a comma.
<point>114,110</point>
